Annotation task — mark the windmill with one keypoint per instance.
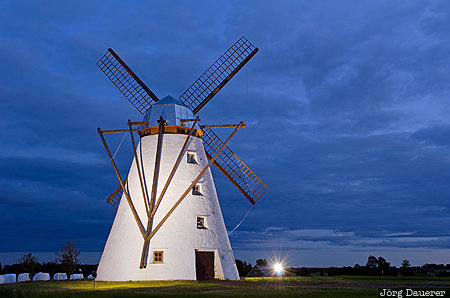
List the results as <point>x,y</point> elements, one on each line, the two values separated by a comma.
<point>168,223</point>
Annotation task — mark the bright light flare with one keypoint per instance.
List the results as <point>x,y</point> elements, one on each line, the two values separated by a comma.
<point>278,268</point>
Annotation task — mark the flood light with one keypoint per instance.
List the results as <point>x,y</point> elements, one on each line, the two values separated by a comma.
<point>278,268</point>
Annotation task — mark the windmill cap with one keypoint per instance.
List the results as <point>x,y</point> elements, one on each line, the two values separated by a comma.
<point>171,109</point>
<point>170,100</point>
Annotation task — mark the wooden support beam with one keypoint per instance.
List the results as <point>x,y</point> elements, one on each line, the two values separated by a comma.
<point>139,123</point>
<point>117,130</point>
<point>221,126</point>
<point>130,203</point>
<point>138,169</point>
<point>161,121</point>
<point>193,183</point>
<point>182,121</point>
<point>175,166</point>
<point>157,162</point>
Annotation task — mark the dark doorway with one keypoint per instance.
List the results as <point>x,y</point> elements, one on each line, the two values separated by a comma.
<point>204,265</point>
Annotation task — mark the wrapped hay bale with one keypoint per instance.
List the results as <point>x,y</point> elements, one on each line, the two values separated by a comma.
<point>60,276</point>
<point>41,277</point>
<point>76,276</point>
<point>9,278</point>
<point>23,277</point>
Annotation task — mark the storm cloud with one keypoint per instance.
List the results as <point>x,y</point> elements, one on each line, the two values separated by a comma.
<point>346,108</point>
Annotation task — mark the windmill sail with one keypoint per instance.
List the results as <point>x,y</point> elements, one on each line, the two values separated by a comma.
<point>114,198</point>
<point>233,168</point>
<point>218,74</point>
<point>127,81</point>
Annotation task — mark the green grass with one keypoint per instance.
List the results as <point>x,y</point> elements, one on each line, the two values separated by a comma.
<point>343,286</point>
<point>355,280</point>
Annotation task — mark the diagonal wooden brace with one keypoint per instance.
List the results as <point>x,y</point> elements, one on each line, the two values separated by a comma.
<point>161,121</point>
<point>146,203</point>
<point>175,166</point>
<point>193,182</point>
<point>130,203</point>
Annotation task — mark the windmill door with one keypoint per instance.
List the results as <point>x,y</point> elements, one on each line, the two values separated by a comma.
<point>204,265</point>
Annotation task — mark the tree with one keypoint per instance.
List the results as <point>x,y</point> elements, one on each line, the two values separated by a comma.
<point>379,266</point>
<point>405,264</point>
<point>302,271</point>
<point>67,257</point>
<point>29,264</point>
<point>405,267</point>
<point>383,265</point>
<point>261,262</point>
<point>371,264</point>
<point>243,268</point>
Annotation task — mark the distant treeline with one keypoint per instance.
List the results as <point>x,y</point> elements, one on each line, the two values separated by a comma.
<point>66,261</point>
<point>374,266</point>
<point>427,269</point>
<point>50,267</point>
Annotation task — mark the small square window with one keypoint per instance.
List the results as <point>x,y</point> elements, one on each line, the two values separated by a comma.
<point>191,157</point>
<point>200,222</point>
<point>196,190</point>
<point>158,256</point>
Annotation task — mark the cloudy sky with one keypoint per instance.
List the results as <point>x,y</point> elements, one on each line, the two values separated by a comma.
<point>346,106</point>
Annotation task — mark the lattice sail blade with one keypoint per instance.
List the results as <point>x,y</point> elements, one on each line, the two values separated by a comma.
<point>114,198</point>
<point>233,168</point>
<point>218,74</point>
<point>140,96</point>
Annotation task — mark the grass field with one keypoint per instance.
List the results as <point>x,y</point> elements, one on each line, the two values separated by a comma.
<point>343,286</point>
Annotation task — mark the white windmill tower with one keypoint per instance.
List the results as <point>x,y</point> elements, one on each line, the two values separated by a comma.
<point>168,223</point>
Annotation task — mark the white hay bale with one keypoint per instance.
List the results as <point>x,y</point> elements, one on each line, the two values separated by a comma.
<point>9,278</point>
<point>60,276</point>
<point>90,276</point>
<point>23,277</point>
<point>41,277</point>
<point>2,280</point>
<point>76,276</point>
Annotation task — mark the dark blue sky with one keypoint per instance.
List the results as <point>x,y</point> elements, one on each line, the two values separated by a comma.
<point>346,107</point>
